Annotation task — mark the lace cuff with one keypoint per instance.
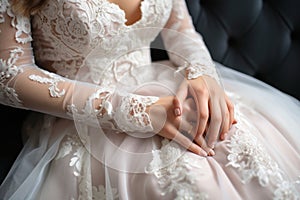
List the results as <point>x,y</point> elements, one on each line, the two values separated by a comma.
<point>131,115</point>
<point>196,70</point>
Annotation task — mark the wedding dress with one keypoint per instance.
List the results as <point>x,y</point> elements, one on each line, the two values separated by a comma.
<point>78,149</point>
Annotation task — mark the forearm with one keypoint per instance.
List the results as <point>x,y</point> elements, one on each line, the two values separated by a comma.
<point>185,46</point>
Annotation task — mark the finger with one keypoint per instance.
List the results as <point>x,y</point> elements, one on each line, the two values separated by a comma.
<point>201,100</point>
<point>231,110</point>
<point>215,123</point>
<point>234,121</point>
<point>181,95</point>
<point>172,133</point>
<point>203,115</point>
<point>177,107</point>
<point>226,123</point>
<point>202,143</point>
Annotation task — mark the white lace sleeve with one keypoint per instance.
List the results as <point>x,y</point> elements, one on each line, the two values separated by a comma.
<point>22,83</point>
<point>185,46</point>
<point>25,85</point>
<point>121,112</point>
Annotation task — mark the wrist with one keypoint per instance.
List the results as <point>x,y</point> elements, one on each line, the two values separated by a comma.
<point>195,70</point>
<point>133,113</point>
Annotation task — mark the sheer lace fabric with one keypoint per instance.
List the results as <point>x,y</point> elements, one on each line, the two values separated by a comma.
<point>180,38</point>
<point>87,74</point>
<point>75,41</point>
<point>95,30</point>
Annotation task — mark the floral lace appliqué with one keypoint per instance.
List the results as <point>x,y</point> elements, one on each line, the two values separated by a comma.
<point>74,146</point>
<point>131,115</point>
<point>71,30</point>
<point>249,156</point>
<point>99,193</point>
<point>174,171</point>
<point>53,81</point>
<point>8,71</point>
<point>3,7</point>
<point>89,114</point>
<point>196,70</point>
<point>22,24</point>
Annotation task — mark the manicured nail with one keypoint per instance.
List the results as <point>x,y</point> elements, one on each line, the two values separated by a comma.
<point>212,145</point>
<point>177,112</point>
<point>234,121</point>
<point>202,153</point>
<point>211,152</point>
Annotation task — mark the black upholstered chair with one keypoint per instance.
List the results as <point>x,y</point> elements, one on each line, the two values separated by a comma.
<point>257,37</point>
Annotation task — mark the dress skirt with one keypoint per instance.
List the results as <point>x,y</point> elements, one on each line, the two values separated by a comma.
<point>260,158</point>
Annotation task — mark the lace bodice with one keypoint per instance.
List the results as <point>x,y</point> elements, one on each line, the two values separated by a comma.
<point>73,34</point>
<point>71,45</point>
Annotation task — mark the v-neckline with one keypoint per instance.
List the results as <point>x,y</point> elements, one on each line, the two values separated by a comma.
<point>123,11</point>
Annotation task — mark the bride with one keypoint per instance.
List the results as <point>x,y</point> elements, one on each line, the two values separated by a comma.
<point>108,123</point>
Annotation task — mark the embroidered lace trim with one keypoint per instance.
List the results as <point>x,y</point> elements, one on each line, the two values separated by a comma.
<point>8,71</point>
<point>22,24</point>
<point>197,70</point>
<point>89,114</point>
<point>249,157</point>
<point>74,146</point>
<point>131,115</point>
<point>52,81</point>
<point>172,167</point>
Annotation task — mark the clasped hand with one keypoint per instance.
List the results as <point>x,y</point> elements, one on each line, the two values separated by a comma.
<point>197,117</point>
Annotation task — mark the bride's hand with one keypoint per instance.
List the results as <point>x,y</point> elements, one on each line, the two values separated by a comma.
<point>214,109</point>
<point>177,128</point>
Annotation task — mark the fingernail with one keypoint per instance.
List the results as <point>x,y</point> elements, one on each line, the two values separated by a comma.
<point>202,153</point>
<point>234,121</point>
<point>225,136</point>
<point>211,152</point>
<point>212,145</point>
<point>177,112</point>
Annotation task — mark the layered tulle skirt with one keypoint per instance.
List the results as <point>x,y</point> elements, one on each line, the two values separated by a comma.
<point>260,158</point>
